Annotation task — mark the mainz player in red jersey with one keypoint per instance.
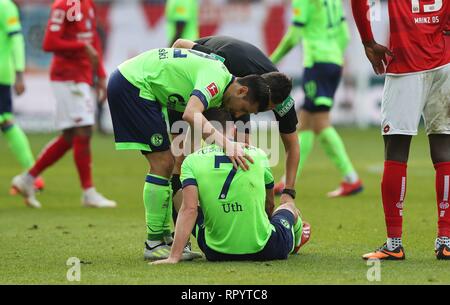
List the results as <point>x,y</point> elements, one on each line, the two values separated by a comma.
<point>417,64</point>
<point>72,37</point>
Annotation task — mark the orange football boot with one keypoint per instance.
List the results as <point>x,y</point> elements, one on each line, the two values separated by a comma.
<point>347,189</point>
<point>384,254</point>
<point>306,236</point>
<point>443,252</point>
<point>278,188</point>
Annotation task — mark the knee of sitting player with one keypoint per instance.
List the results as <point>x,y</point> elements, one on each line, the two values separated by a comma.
<point>290,206</point>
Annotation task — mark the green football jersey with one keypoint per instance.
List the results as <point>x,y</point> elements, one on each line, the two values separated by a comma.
<point>171,76</point>
<point>233,202</point>
<point>324,29</point>
<point>182,11</point>
<point>9,24</point>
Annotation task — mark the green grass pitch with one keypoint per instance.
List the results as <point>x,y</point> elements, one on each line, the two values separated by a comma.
<point>35,244</point>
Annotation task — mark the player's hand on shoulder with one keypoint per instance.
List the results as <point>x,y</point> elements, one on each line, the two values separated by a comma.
<point>377,55</point>
<point>235,151</point>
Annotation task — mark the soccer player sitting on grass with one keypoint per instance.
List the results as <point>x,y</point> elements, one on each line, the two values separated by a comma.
<point>242,58</point>
<point>188,82</point>
<point>235,220</point>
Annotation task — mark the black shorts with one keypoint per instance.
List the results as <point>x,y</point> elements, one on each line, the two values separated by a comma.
<point>278,247</point>
<point>138,123</point>
<point>5,103</point>
<point>320,84</point>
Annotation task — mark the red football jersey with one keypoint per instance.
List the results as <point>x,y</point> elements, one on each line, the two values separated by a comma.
<point>417,35</point>
<point>71,26</point>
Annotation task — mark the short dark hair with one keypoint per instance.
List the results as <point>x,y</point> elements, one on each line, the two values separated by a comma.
<point>219,115</point>
<point>280,86</point>
<point>258,90</point>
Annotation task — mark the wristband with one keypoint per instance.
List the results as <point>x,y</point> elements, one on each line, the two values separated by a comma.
<point>289,192</point>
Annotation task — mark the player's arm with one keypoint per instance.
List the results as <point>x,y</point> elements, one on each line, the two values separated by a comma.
<point>292,148</point>
<point>14,30</point>
<point>375,52</point>
<point>179,29</point>
<point>295,31</point>
<point>270,202</point>
<point>179,14</point>
<point>289,41</point>
<point>288,133</point>
<point>189,44</point>
<point>269,181</point>
<point>101,71</point>
<point>199,124</point>
<point>343,35</point>
<point>187,217</point>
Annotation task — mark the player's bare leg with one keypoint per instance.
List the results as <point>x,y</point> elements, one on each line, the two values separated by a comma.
<point>440,155</point>
<point>393,191</point>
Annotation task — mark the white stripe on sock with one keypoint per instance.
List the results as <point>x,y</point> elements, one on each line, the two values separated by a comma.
<point>446,187</point>
<point>402,193</point>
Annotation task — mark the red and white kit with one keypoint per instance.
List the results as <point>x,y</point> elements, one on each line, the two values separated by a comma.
<point>71,27</point>
<point>418,76</point>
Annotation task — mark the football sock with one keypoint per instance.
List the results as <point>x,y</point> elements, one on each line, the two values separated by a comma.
<point>19,145</point>
<point>393,191</point>
<point>306,139</point>
<point>175,182</point>
<point>442,196</point>
<point>334,147</point>
<point>83,160</point>
<point>298,231</point>
<point>158,206</point>
<point>52,153</point>
<point>393,243</point>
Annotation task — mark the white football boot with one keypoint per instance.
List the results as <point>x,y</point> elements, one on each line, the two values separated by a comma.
<point>24,185</point>
<point>159,251</point>
<point>93,199</point>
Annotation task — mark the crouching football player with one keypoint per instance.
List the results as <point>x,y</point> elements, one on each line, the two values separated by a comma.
<point>236,219</point>
<point>187,82</point>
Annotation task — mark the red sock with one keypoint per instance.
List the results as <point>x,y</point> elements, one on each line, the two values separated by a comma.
<point>51,153</point>
<point>393,191</point>
<point>83,160</point>
<point>442,194</point>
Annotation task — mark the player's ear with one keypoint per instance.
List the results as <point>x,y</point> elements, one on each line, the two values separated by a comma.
<point>242,91</point>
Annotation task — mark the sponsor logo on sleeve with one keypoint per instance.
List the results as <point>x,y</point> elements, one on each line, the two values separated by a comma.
<point>58,16</point>
<point>213,89</point>
<point>12,21</point>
